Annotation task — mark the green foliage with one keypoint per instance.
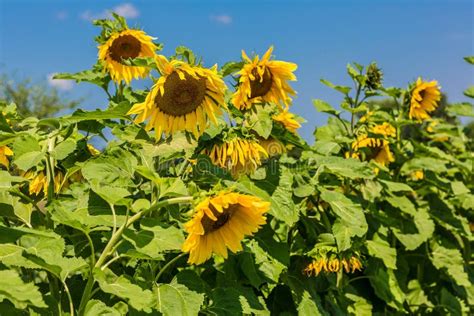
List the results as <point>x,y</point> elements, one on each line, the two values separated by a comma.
<point>106,236</point>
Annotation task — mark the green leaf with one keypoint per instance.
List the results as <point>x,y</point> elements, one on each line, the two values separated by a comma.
<point>325,107</point>
<point>462,109</point>
<point>402,203</point>
<point>117,112</point>
<point>283,206</point>
<point>416,297</point>
<point>361,306</point>
<point>225,302</point>
<point>342,89</point>
<point>6,179</point>
<point>261,120</point>
<point>469,92</point>
<point>176,299</point>
<point>385,284</point>
<point>451,260</point>
<point>326,148</point>
<point>64,149</point>
<point>459,188</point>
<point>98,308</point>
<point>141,300</point>
<point>469,59</point>
<point>270,267</point>
<point>395,186</point>
<point>153,239</point>
<point>308,306</point>
<point>28,160</point>
<point>346,168</point>
<point>351,218</point>
<point>19,293</point>
<point>423,223</point>
<point>381,249</point>
<point>25,144</point>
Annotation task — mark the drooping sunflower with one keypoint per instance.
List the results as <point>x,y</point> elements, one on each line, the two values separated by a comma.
<point>424,99</point>
<point>385,129</point>
<point>39,182</point>
<point>124,45</point>
<point>380,149</point>
<point>288,120</point>
<point>238,155</point>
<point>221,222</point>
<point>333,264</point>
<point>4,153</point>
<point>182,99</point>
<point>264,80</point>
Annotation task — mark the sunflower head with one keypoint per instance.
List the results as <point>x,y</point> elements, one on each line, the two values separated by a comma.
<point>39,182</point>
<point>288,120</point>
<point>4,153</point>
<point>379,149</point>
<point>424,99</point>
<point>332,264</point>
<point>264,80</point>
<point>221,222</point>
<point>238,155</point>
<point>374,77</point>
<point>385,129</point>
<point>182,99</point>
<point>123,45</point>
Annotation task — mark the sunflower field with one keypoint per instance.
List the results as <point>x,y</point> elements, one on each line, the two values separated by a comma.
<point>197,196</point>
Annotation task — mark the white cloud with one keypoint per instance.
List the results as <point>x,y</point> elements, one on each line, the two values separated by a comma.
<point>62,15</point>
<point>127,10</point>
<point>60,84</point>
<point>222,19</point>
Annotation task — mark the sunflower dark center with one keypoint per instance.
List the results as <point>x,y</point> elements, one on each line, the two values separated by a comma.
<point>259,87</point>
<point>222,218</point>
<point>124,47</point>
<point>422,94</point>
<point>181,97</point>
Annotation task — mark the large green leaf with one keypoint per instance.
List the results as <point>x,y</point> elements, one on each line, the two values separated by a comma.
<point>385,284</point>
<point>380,248</point>
<point>153,238</point>
<point>141,300</point>
<point>176,299</point>
<point>450,260</point>
<point>351,222</point>
<point>21,294</point>
<point>283,206</point>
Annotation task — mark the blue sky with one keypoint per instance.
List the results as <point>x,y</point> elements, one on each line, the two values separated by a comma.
<point>407,39</point>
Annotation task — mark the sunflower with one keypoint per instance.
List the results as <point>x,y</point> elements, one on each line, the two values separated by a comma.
<point>221,222</point>
<point>288,120</point>
<point>323,264</point>
<point>182,99</point>
<point>124,45</point>
<point>424,99</point>
<point>240,156</point>
<point>385,129</point>
<point>92,150</point>
<point>264,80</point>
<point>4,152</point>
<point>417,175</point>
<point>380,152</point>
<point>39,182</point>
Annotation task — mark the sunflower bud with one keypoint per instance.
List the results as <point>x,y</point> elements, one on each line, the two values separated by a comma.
<point>374,77</point>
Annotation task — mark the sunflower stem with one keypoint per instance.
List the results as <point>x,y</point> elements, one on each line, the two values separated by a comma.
<point>116,239</point>
<point>170,263</point>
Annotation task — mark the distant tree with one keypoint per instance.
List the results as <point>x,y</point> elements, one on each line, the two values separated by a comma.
<point>33,98</point>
